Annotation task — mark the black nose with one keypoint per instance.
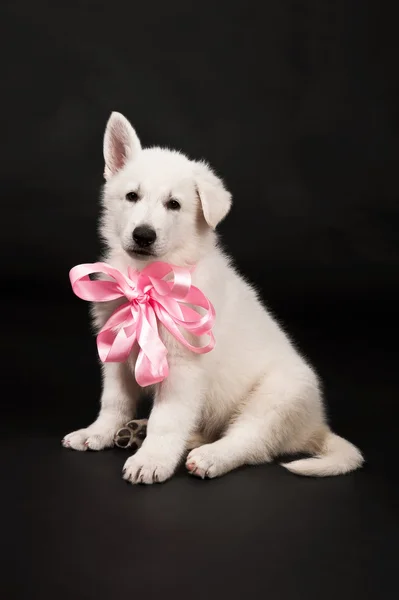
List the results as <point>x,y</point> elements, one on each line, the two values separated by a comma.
<point>144,236</point>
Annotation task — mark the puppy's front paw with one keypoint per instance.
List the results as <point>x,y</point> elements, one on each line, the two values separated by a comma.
<point>144,467</point>
<point>91,438</point>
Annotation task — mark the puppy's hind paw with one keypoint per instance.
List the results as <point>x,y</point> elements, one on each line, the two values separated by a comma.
<point>204,462</point>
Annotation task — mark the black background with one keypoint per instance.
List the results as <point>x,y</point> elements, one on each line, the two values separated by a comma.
<point>295,105</point>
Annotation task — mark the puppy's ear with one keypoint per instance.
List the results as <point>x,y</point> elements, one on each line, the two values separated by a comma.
<point>120,144</point>
<point>215,199</point>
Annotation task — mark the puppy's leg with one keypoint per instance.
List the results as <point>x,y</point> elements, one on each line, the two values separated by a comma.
<point>277,417</point>
<point>118,403</point>
<point>172,420</point>
<point>197,439</point>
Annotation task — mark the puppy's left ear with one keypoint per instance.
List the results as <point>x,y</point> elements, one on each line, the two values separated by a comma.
<point>215,199</point>
<point>121,144</point>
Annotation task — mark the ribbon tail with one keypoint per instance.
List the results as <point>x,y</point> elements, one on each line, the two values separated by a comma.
<point>116,339</point>
<point>151,365</point>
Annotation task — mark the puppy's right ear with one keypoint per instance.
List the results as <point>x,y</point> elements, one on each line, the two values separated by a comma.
<point>215,199</point>
<point>120,144</point>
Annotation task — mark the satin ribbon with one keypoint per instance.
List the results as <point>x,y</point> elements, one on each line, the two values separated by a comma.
<point>149,298</point>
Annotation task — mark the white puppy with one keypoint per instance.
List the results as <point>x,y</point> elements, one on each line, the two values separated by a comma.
<point>250,399</point>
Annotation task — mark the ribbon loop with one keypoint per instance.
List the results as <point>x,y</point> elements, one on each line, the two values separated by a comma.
<point>160,292</point>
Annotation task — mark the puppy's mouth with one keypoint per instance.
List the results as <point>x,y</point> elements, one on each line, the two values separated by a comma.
<point>140,252</point>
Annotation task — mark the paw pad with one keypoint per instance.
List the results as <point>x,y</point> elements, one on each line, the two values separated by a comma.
<point>131,435</point>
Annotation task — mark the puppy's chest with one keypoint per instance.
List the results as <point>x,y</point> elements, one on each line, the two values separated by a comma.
<point>175,347</point>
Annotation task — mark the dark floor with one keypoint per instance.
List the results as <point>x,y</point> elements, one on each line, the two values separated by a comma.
<point>73,529</point>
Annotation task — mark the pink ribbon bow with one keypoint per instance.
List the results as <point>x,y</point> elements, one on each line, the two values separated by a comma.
<point>149,298</point>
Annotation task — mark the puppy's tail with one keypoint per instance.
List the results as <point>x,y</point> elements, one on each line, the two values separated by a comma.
<point>336,456</point>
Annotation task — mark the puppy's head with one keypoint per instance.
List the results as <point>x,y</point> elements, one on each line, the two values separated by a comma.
<point>158,204</point>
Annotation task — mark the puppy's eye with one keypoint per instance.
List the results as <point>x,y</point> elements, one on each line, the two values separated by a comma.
<point>173,204</point>
<point>132,197</point>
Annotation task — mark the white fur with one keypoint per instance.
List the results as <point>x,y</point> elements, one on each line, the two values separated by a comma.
<point>253,397</point>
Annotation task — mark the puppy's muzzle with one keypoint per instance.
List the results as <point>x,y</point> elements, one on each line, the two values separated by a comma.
<point>144,236</point>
